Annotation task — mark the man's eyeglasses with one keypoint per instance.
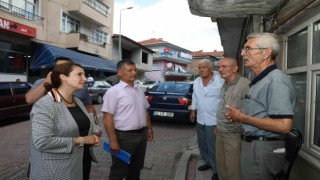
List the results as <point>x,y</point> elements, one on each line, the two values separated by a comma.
<point>246,49</point>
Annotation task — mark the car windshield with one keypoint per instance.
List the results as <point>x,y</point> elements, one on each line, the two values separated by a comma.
<point>173,87</point>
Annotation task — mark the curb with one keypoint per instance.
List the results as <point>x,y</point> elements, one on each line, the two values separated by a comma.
<point>182,166</point>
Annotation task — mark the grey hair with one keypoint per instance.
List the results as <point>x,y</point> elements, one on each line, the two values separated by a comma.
<point>267,40</point>
<point>202,61</point>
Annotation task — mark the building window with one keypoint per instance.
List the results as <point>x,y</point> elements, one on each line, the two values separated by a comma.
<point>316,139</point>
<point>316,43</point>
<point>299,82</point>
<point>22,8</point>
<point>303,60</point>
<point>13,58</point>
<point>99,36</point>
<point>100,7</point>
<point>297,49</point>
<point>69,24</point>
<point>144,57</point>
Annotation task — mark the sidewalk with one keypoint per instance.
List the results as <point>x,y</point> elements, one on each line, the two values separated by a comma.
<point>187,167</point>
<point>162,157</point>
<point>161,166</point>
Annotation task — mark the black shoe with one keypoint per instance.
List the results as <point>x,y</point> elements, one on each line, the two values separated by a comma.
<point>204,167</point>
<point>215,177</point>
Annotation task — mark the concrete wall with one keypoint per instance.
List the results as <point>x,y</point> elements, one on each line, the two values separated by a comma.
<point>302,169</point>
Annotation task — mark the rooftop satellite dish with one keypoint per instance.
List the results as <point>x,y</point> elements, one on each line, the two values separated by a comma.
<point>169,65</point>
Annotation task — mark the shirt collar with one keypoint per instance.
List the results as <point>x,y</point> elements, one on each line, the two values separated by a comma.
<point>263,74</point>
<point>236,79</point>
<point>124,84</point>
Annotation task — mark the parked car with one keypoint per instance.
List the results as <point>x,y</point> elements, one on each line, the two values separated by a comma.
<point>12,99</point>
<point>97,89</point>
<point>170,101</point>
<point>148,85</point>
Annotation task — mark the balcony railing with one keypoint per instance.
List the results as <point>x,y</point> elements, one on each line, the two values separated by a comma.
<point>92,40</point>
<point>95,5</point>
<point>178,73</point>
<point>174,57</point>
<point>19,12</point>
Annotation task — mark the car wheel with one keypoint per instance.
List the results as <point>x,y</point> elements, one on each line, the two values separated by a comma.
<point>99,99</point>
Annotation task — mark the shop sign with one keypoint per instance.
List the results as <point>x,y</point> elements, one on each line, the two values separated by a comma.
<point>17,27</point>
<point>167,50</point>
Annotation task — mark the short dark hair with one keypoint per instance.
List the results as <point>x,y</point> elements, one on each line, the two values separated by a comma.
<point>65,69</point>
<point>62,58</point>
<point>121,63</point>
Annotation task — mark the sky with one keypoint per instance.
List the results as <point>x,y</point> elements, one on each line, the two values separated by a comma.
<point>170,20</point>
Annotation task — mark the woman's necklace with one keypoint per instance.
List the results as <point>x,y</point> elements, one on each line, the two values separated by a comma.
<point>69,103</point>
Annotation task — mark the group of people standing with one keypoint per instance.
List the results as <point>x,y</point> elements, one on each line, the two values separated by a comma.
<point>64,128</point>
<point>241,124</point>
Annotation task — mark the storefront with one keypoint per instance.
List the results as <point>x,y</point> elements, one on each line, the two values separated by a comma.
<point>14,50</point>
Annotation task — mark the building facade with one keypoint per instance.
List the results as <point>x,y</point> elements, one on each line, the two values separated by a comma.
<point>297,24</point>
<point>169,61</point>
<point>141,55</point>
<point>83,27</point>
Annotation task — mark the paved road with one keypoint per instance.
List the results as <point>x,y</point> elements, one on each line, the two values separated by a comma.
<point>160,163</point>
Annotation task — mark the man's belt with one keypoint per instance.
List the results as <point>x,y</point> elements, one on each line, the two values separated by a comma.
<point>259,138</point>
<point>133,131</point>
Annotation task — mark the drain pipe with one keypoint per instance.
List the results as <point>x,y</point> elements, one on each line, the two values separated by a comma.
<point>261,24</point>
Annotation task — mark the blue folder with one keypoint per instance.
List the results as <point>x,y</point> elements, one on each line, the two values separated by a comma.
<point>122,155</point>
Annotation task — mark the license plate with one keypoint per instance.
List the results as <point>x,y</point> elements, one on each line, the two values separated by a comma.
<point>159,113</point>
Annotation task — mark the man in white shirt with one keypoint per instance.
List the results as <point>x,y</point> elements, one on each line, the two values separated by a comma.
<point>90,78</point>
<point>205,100</point>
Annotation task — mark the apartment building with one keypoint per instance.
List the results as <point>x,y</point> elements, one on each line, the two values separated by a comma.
<point>34,32</point>
<point>169,61</point>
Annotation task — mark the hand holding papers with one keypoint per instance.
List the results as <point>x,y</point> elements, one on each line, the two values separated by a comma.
<point>122,155</point>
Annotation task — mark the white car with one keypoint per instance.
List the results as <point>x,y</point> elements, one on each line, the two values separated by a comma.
<point>97,89</point>
<point>149,84</point>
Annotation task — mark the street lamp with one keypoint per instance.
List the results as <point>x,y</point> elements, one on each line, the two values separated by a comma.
<point>120,54</point>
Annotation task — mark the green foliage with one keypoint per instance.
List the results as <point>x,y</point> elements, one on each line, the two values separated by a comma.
<point>73,31</point>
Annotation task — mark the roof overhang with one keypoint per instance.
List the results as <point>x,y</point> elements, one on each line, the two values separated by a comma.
<point>231,8</point>
<point>129,43</point>
<point>230,17</point>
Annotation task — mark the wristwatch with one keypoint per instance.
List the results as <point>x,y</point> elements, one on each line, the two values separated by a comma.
<point>81,141</point>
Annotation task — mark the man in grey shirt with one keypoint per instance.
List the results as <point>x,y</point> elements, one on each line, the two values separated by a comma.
<point>268,110</point>
<point>227,133</point>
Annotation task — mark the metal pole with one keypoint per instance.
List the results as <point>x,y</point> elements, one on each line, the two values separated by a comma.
<point>120,50</point>
<point>120,57</point>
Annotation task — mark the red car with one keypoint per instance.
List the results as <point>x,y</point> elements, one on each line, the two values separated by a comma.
<point>12,99</point>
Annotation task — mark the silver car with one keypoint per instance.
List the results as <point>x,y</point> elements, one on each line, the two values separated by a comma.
<point>97,90</point>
